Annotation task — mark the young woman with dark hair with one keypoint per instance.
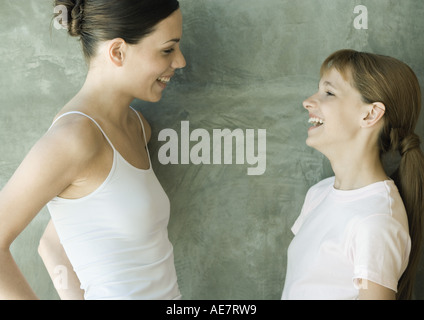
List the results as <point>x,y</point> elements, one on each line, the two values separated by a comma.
<point>92,168</point>
<point>359,233</point>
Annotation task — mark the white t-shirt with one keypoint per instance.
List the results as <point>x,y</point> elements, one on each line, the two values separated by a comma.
<point>343,236</point>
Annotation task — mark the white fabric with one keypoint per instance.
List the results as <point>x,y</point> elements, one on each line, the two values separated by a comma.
<point>344,236</point>
<point>116,237</point>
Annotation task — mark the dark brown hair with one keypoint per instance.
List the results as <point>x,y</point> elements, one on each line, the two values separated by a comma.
<point>100,20</point>
<point>387,80</point>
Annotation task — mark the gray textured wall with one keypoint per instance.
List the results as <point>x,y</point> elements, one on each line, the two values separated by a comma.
<point>250,65</point>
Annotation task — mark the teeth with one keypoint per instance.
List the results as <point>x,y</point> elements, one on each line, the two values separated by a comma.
<point>164,79</point>
<point>316,121</point>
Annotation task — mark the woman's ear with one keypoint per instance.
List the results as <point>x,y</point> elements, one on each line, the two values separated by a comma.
<point>117,50</point>
<point>373,113</point>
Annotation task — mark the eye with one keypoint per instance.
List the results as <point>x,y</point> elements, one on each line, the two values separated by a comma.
<point>330,94</point>
<point>168,51</point>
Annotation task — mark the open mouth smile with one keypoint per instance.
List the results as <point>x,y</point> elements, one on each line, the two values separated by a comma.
<point>164,80</point>
<point>316,122</point>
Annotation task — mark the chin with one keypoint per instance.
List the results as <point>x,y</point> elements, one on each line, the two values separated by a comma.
<point>310,143</point>
<point>152,98</point>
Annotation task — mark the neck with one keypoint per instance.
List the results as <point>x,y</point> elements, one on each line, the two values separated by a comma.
<point>101,95</point>
<point>354,171</point>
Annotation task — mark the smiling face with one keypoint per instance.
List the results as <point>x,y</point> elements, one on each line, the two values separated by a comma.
<point>150,64</point>
<point>336,113</point>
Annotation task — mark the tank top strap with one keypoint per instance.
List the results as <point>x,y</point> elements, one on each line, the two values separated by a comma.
<point>144,134</point>
<point>87,116</point>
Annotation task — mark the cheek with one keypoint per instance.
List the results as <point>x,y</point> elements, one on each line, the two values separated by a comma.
<point>147,66</point>
<point>144,79</point>
<point>344,127</point>
<point>145,72</point>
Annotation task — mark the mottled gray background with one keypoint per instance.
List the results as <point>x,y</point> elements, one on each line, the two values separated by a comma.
<point>250,65</point>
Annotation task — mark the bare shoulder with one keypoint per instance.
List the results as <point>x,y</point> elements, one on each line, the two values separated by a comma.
<point>69,146</point>
<point>52,164</point>
<point>146,125</point>
<point>76,133</point>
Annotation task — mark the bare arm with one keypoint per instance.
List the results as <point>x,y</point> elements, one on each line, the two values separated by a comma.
<point>58,266</point>
<point>373,291</point>
<point>12,282</point>
<point>48,169</point>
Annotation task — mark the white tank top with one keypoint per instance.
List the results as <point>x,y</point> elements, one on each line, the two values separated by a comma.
<point>116,238</point>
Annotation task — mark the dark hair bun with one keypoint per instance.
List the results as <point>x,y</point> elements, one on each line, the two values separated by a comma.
<point>75,10</point>
<point>100,20</point>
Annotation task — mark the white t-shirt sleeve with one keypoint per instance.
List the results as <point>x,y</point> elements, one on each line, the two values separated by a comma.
<point>379,251</point>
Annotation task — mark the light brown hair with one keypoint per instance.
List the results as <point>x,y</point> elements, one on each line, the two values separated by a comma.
<point>387,80</point>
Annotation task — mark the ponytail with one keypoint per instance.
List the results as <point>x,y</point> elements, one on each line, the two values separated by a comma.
<point>410,182</point>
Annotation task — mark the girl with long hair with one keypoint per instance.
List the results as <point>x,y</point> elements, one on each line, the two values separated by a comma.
<point>359,233</point>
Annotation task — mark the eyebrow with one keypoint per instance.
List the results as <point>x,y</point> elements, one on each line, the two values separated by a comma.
<point>176,40</point>
<point>328,83</point>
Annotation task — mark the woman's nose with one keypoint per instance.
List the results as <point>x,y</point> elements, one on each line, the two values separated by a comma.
<point>179,61</point>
